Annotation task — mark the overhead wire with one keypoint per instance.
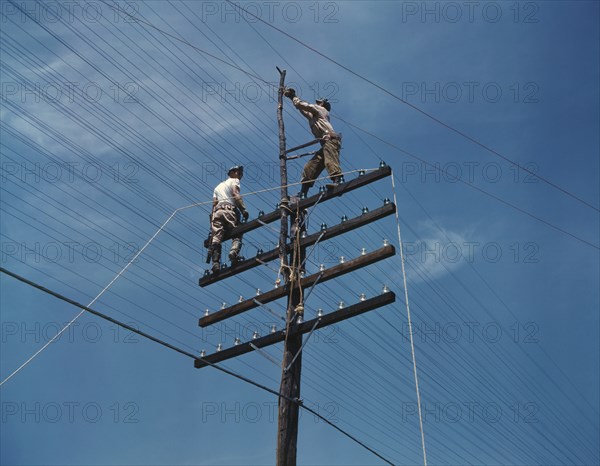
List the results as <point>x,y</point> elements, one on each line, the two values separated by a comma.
<point>414,107</point>
<point>470,184</point>
<point>190,355</point>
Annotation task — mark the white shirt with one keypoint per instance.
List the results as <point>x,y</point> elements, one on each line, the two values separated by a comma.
<point>224,191</point>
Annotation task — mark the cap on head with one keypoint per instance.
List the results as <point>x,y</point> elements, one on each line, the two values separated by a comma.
<point>325,103</point>
<point>236,168</point>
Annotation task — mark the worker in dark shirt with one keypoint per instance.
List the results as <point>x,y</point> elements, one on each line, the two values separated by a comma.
<point>328,156</point>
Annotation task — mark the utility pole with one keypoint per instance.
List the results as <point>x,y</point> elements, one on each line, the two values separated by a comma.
<point>287,424</point>
<point>291,256</point>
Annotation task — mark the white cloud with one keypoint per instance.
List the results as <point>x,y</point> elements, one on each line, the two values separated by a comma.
<point>437,253</point>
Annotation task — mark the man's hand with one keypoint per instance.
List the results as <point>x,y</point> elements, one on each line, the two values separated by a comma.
<point>289,92</point>
<point>245,215</point>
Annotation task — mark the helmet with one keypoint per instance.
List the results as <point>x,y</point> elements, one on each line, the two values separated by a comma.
<point>235,168</point>
<point>324,102</point>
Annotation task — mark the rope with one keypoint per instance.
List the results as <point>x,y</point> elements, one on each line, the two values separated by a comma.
<point>410,331</point>
<point>366,170</point>
<point>116,277</point>
<point>266,190</point>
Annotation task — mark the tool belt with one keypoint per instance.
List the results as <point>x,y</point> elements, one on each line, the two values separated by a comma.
<point>228,206</point>
<point>331,136</point>
<point>225,206</point>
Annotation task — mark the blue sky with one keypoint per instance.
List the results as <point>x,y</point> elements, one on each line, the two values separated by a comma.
<point>109,126</point>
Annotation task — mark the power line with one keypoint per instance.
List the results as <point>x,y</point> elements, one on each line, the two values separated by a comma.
<point>186,353</point>
<point>173,36</point>
<point>493,196</point>
<point>414,107</point>
<point>336,361</point>
<point>469,184</point>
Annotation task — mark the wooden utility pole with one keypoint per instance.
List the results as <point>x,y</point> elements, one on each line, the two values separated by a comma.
<point>287,423</point>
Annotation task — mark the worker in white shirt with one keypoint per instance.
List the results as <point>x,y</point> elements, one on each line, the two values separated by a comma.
<point>228,209</point>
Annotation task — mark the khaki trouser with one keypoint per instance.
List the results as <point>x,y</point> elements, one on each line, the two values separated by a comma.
<point>327,157</point>
<point>224,220</point>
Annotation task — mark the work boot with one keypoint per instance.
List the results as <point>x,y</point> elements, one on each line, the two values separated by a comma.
<point>234,252</point>
<point>216,259</point>
<point>303,194</point>
<point>335,182</point>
